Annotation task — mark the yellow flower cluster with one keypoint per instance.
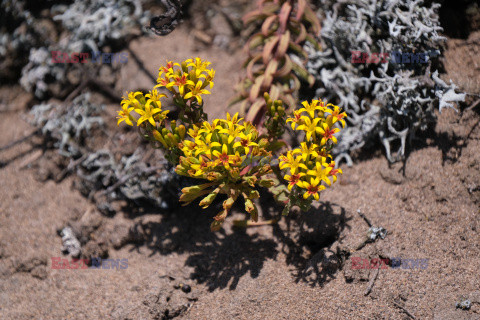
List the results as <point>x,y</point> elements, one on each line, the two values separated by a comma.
<point>229,153</point>
<point>232,157</point>
<point>224,150</point>
<point>311,163</point>
<point>148,107</point>
<point>189,79</point>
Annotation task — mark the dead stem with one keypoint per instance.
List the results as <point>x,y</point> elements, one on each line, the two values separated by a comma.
<point>250,223</point>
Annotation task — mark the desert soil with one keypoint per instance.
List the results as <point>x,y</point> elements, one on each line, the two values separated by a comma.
<point>287,271</point>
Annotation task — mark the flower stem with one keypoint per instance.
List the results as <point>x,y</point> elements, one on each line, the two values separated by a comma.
<point>250,223</point>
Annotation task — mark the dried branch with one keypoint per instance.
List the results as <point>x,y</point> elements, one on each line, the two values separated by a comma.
<point>372,282</point>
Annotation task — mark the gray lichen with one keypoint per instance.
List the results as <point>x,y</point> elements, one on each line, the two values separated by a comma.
<point>136,181</point>
<point>463,304</point>
<point>20,30</point>
<point>376,232</point>
<point>70,128</point>
<point>101,21</point>
<point>42,77</point>
<point>390,101</point>
<point>68,125</point>
<point>89,26</point>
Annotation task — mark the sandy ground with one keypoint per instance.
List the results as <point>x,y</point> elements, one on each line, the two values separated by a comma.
<point>288,271</point>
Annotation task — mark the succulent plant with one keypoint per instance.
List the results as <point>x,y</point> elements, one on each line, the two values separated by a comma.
<point>276,59</point>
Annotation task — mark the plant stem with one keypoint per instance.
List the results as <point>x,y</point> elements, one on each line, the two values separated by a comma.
<point>250,223</point>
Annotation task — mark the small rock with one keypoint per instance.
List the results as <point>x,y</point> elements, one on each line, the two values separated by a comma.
<point>156,301</point>
<point>177,304</point>
<point>186,288</point>
<point>71,245</point>
<point>90,221</point>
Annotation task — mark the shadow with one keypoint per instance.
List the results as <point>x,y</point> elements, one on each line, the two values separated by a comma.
<point>220,259</point>
<point>452,145</point>
<point>5,163</point>
<point>310,243</point>
<point>454,18</point>
<point>141,65</point>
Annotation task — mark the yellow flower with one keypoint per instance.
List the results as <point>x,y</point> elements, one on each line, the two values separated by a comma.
<point>232,120</point>
<point>201,167</point>
<point>168,69</point>
<point>321,173</point>
<point>293,179</point>
<point>132,99</point>
<point>161,116</point>
<point>208,77</point>
<point>297,118</point>
<point>306,150</point>
<point>333,172</point>
<point>202,148</point>
<point>196,92</point>
<point>188,147</point>
<point>207,130</point>
<point>155,96</point>
<point>313,188</point>
<point>336,115</point>
<point>162,82</point>
<point>193,132</point>
<point>224,158</point>
<point>327,133</point>
<point>294,163</point>
<point>311,107</point>
<point>147,114</point>
<point>245,142</point>
<point>124,115</point>
<point>180,82</point>
<point>233,131</point>
<point>309,126</point>
<point>198,65</point>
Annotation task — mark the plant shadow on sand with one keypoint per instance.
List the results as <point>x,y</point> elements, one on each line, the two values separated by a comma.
<point>309,241</point>
<point>220,259</point>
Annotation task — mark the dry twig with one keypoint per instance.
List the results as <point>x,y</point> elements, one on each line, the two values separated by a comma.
<point>364,218</point>
<point>371,283</point>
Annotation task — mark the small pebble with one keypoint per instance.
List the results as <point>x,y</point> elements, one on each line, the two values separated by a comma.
<point>186,288</point>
